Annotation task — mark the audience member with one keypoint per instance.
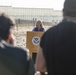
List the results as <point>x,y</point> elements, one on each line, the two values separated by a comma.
<point>13,60</point>
<point>57,51</point>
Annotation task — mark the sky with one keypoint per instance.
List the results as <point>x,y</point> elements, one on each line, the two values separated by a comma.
<point>55,4</point>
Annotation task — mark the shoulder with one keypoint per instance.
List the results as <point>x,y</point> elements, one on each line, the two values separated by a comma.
<point>55,28</point>
<point>43,29</point>
<point>18,50</point>
<point>34,29</point>
<point>15,52</point>
<point>50,33</point>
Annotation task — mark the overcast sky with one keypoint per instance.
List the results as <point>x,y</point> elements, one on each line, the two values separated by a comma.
<point>55,4</point>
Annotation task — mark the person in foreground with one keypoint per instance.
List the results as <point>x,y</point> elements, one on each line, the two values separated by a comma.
<point>13,60</point>
<point>57,51</point>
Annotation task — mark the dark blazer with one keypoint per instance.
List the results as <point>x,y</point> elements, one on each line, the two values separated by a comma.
<point>14,60</point>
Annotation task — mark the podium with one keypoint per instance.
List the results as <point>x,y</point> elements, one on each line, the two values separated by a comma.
<point>32,41</point>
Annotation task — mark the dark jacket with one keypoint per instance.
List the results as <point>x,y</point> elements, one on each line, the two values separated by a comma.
<point>36,29</point>
<point>14,61</point>
<point>59,48</point>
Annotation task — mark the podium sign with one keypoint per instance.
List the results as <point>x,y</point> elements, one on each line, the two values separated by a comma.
<point>32,41</point>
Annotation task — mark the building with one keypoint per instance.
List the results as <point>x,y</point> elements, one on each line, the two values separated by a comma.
<point>33,14</point>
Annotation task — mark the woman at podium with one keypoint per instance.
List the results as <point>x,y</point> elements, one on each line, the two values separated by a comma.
<point>39,27</point>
